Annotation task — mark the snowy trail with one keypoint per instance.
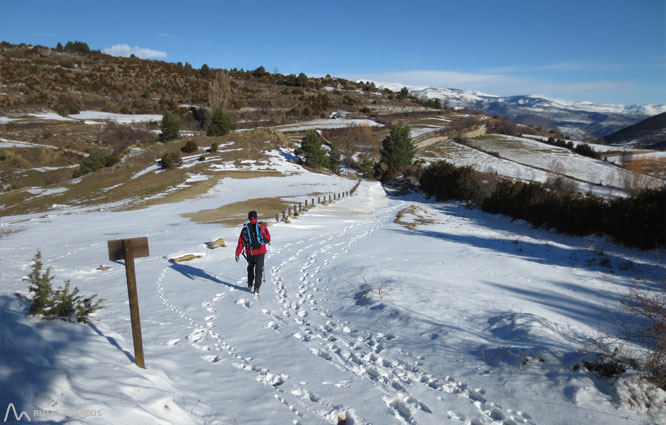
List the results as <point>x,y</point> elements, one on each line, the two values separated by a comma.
<point>293,313</point>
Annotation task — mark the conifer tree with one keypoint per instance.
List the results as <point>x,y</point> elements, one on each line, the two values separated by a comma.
<point>221,124</point>
<point>170,127</point>
<point>334,160</point>
<point>397,151</point>
<point>311,149</point>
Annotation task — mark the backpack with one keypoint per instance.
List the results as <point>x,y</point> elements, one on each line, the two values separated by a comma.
<point>254,239</point>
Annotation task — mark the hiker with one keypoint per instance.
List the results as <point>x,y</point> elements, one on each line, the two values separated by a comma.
<point>253,240</point>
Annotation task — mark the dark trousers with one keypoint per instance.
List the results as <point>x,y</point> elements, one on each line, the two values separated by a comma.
<point>255,269</point>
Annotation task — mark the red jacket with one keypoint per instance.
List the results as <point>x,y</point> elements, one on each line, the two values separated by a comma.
<point>243,239</point>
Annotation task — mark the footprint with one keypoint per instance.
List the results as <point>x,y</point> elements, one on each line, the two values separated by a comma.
<point>197,335</point>
<point>324,355</point>
<point>244,302</point>
<point>211,358</point>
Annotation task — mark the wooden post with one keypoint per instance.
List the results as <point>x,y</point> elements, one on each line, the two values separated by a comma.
<point>277,217</point>
<point>313,204</point>
<point>306,204</point>
<point>300,206</point>
<point>128,249</point>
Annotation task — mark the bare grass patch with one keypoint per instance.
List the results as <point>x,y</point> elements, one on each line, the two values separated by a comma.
<point>236,213</point>
<point>413,216</point>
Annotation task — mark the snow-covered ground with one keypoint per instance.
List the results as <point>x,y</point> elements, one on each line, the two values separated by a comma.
<point>465,156</point>
<point>555,159</point>
<point>90,117</point>
<point>597,147</point>
<point>17,144</point>
<point>321,124</point>
<point>467,318</point>
<point>96,117</point>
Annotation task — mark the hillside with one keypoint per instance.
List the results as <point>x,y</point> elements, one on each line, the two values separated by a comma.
<point>37,78</point>
<point>647,134</point>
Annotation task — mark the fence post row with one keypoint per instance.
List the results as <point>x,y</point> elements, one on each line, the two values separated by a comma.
<point>299,207</point>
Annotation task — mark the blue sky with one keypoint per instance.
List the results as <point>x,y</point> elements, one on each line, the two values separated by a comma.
<point>601,51</point>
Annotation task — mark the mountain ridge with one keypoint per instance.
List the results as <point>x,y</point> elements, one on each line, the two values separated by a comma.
<point>581,119</point>
<point>649,133</point>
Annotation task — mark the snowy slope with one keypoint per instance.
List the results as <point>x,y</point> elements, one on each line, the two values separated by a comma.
<point>465,319</point>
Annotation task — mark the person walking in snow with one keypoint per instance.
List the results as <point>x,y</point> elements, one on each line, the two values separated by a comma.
<point>252,240</point>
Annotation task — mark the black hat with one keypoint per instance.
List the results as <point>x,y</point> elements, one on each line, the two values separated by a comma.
<point>252,214</point>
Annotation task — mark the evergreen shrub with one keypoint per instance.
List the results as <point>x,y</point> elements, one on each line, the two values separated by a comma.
<point>62,303</point>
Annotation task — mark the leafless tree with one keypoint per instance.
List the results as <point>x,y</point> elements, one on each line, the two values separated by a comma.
<point>220,95</point>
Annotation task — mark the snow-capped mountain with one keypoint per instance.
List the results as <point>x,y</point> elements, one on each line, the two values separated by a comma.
<point>576,119</point>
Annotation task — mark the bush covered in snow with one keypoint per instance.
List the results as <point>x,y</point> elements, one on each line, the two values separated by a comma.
<point>646,325</point>
<point>61,303</point>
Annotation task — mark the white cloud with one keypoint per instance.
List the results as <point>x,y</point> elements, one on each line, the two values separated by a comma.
<point>125,50</point>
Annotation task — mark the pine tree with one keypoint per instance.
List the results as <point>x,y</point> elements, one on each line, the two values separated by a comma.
<point>404,93</point>
<point>311,149</point>
<point>40,286</point>
<point>221,124</point>
<point>61,303</point>
<point>397,151</point>
<point>302,80</point>
<point>170,127</point>
<point>334,160</point>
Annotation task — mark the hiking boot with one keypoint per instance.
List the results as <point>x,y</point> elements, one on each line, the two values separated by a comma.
<point>256,291</point>
<point>250,287</point>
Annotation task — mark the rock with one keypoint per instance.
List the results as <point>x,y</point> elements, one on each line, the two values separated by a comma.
<point>217,243</point>
<point>186,257</point>
<point>103,267</point>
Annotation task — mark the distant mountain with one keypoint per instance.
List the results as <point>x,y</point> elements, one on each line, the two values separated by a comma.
<point>579,120</point>
<point>648,134</point>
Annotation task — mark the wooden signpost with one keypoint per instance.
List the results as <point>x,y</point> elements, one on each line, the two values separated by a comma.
<point>128,250</point>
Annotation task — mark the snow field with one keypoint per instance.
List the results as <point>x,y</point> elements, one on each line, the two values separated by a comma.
<point>470,305</point>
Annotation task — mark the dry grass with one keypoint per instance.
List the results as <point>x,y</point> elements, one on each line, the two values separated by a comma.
<point>115,184</point>
<point>413,216</point>
<point>236,213</point>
